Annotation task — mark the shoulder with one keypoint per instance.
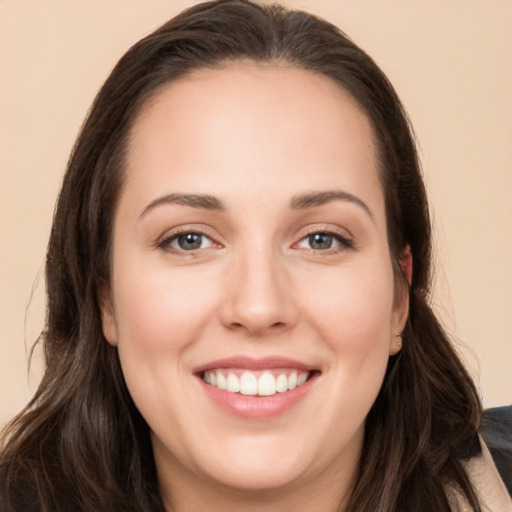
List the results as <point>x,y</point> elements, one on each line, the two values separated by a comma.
<point>496,431</point>
<point>490,468</point>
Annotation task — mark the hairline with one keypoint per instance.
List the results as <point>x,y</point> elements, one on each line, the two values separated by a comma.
<point>148,98</point>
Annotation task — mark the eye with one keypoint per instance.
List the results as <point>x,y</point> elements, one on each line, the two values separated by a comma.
<point>323,241</point>
<point>187,241</point>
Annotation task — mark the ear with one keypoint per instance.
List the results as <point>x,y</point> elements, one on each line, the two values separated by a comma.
<point>108,321</point>
<point>406,263</point>
<point>401,306</point>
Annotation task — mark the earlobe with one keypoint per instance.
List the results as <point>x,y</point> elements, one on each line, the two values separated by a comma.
<point>406,263</point>
<point>108,323</point>
<point>395,345</point>
<point>402,303</point>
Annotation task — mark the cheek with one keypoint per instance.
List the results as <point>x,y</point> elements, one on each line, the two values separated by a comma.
<point>159,315</point>
<point>158,309</point>
<point>350,311</point>
<point>353,315</point>
<point>352,307</point>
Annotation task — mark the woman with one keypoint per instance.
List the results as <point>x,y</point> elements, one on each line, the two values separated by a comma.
<point>237,280</point>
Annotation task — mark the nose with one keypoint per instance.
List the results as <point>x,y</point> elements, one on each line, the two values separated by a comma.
<point>258,296</point>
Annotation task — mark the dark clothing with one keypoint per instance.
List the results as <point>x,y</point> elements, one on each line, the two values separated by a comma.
<point>496,431</point>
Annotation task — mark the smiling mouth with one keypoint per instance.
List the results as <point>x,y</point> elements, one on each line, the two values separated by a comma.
<point>256,383</point>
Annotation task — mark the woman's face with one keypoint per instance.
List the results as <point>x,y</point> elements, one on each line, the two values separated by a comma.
<point>250,253</point>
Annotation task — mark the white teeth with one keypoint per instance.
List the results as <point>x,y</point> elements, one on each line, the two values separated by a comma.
<point>221,380</point>
<point>302,377</point>
<point>292,380</point>
<point>249,384</point>
<point>267,385</point>
<point>282,383</point>
<point>232,383</point>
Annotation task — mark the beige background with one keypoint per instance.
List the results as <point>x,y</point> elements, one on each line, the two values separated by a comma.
<point>451,62</point>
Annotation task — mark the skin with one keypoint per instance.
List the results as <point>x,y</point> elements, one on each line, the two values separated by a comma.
<point>254,137</point>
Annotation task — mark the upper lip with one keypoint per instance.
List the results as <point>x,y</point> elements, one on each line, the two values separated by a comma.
<point>251,363</point>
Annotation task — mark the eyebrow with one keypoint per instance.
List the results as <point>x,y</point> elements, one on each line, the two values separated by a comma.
<point>313,199</point>
<point>298,202</point>
<point>201,201</point>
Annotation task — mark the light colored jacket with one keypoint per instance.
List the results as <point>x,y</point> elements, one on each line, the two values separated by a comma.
<point>488,483</point>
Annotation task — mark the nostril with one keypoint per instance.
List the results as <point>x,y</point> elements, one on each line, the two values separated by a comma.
<point>236,325</point>
<point>256,329</point>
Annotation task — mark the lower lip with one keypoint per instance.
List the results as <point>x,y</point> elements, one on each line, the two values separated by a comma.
<point>257,407</point>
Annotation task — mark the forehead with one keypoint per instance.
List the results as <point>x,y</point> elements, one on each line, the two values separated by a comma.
<point>244,126</point>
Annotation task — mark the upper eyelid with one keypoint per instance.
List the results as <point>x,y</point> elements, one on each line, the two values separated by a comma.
<point>325,228</point>
<point>188,228</point>
<point>334,234</point>
<point>343,240</point>
<point>177,234</point>
<point>166,239</point>
<point>343,236</point>
<point>300,234</point>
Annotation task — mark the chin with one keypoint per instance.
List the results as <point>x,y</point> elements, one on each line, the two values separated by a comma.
<point>247,478</point>
<point>263,462</point>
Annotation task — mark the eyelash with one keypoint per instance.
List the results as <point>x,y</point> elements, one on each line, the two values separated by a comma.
<point>165,244</point>
<point>344,243</point>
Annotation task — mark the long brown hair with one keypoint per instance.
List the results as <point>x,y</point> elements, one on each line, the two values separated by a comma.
<point>81,444</point>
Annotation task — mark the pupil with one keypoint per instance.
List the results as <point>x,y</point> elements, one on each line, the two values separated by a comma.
<point>320,241</point>
<point>190,241</point>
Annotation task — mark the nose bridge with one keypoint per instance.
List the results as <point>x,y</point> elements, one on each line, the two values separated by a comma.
<point>257,297</point>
